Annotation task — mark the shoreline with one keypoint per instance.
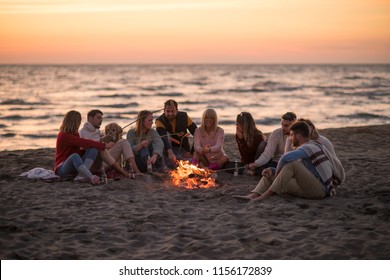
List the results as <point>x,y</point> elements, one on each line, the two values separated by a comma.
<point>139,219</point>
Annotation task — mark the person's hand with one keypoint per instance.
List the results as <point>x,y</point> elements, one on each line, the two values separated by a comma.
<point>206,149</point>
<point>267,173</point>
<point>110,145</point>
<point>172,156</point>
<point>105,138</point>
<point>145,143</point>
<point>252,166</point>
<point>152,159</point>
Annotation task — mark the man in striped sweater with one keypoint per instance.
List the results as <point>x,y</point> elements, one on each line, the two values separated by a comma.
<point>310,171</point>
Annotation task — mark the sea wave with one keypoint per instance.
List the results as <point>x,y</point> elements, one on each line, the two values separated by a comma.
<point>124,105</point>
<point>119,95</point>
<point>156,88</point>
<point>8,135</point>
<point>364,116</point>
<point>27,117</point>
<point>37,136</point>
<point>22,102</point>
<point>36,96</point>
<point>170,94</point>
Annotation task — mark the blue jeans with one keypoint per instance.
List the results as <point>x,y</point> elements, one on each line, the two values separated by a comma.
<point>142,157</point>
<point>74,161</point>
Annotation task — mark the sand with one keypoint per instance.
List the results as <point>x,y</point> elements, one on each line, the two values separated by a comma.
<point>150,219</point>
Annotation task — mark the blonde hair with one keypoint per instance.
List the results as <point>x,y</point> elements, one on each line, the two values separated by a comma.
<point>139,125</point>
<point>249,129</point>
<point>209,114</point>
<point>71,122</point>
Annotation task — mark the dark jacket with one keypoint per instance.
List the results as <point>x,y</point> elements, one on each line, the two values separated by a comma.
<point>179,133</point>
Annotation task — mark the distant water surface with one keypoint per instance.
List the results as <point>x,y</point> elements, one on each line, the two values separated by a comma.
<point>34,98</point>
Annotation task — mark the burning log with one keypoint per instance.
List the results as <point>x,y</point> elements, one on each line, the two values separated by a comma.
<point>190,176</point>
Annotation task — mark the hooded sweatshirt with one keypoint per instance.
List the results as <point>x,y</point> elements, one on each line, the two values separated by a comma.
<point>90,132</point>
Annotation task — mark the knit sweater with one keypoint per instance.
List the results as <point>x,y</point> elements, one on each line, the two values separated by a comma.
<point>152,136</point>
<point>214,140</point>
<point>328,166</point>
<point>274,149</point>
<point>90,132</point>
<point>248,153</point>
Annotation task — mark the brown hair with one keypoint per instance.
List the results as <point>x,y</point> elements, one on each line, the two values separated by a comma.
<point>171,103</point>
<point>248,125</point>
<point>301,127</point>
<point>93,113</point>
<point>71,122</point>
<point>289,116</point>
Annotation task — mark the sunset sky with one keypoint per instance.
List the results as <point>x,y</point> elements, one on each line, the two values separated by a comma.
<point>195,31</point>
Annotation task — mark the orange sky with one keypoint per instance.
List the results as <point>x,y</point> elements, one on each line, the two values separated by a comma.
<point>195,31</point>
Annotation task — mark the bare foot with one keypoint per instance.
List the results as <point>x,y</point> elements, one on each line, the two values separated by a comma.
<point>126,174</point>
<point>250,172</point>
<point>259,198</point>
<point>95,180</point>
<point>246,197</point>
<point>265,195</point>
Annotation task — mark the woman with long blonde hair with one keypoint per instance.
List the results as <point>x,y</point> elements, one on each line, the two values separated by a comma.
<point>70,159</point>
<point>146,143</point>
<point>208,142</point>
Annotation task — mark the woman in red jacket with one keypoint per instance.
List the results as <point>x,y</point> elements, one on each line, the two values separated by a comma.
<point>70,158</point>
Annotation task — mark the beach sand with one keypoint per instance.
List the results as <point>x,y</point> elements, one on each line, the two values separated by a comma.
<point>150,219</point>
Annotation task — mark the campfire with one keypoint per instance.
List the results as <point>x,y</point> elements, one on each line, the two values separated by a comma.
<point>190,176</point>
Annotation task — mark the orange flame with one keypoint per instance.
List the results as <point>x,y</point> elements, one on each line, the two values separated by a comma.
<point>190,176</point>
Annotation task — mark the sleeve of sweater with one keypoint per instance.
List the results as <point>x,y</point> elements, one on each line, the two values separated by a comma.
<point>287,147</point>
<point>157,142</point>
<point>220,135</point>
<point>198,141</point>
<point>81,142</point>
<point>130,136</point>
<point>290,157</point>
<point>269,151</point>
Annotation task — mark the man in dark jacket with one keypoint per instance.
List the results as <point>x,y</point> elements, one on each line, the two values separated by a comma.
<point>173,126</point>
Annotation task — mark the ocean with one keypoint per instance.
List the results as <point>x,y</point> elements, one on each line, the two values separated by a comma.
<point>34,98</point>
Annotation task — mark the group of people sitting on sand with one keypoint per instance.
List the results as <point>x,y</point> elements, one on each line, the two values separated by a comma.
<point>295,159</point>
